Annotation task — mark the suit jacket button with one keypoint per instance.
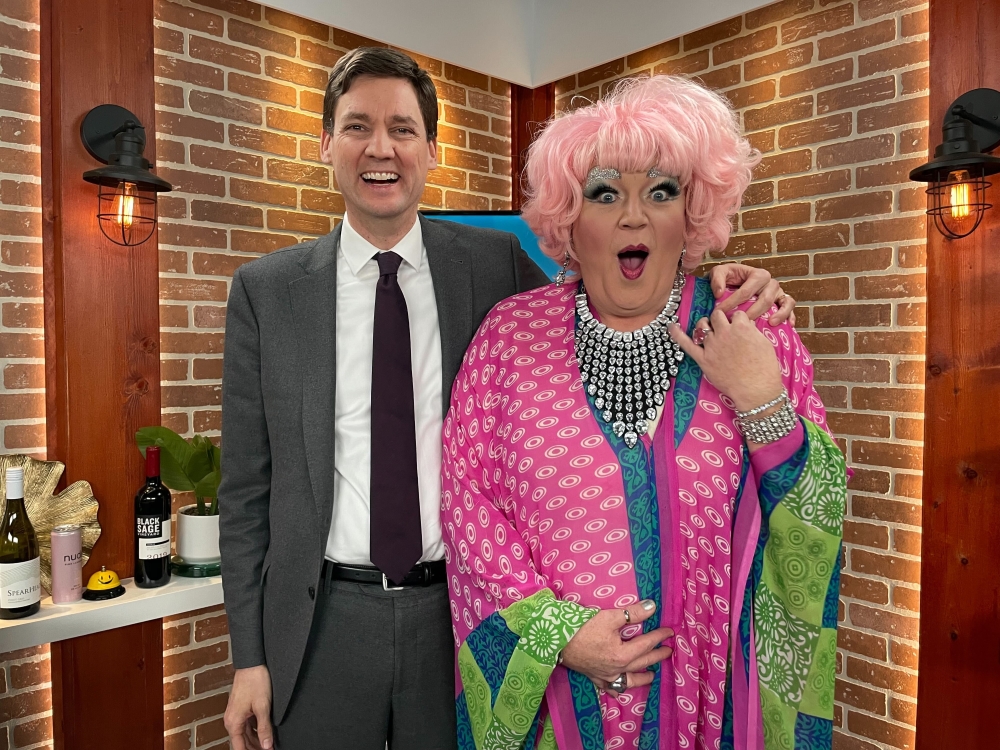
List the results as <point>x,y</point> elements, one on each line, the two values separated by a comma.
<point>312,592</point>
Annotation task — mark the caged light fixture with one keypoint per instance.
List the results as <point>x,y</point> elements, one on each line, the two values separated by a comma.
<point>126,194</point>
<point>957,173</point>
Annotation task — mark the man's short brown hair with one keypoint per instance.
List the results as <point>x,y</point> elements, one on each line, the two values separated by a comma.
<point>381,63</point>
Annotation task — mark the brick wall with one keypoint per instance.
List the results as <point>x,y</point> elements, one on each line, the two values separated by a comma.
<point>834,94</point>
<point>25,700</point>
<point>239,97</point>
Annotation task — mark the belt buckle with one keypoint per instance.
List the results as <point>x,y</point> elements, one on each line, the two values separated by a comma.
<point>387,587</point>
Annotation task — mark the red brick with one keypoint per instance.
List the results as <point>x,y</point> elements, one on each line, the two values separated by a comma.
<point>491,104</point>
<point>817,77</point>
<point>757,93</point>
<point>192,182</point>
<point>293,122</point>
<point>912,256</point>
<point>852,316</point>
<point>175,691</point>
<point>884,622</point>
<point>256,35</point>
<point>19,98</point>
<point>447,177</point>
<point>16,376</point>
<point>261,140</point>
<point>190,127</point>
<point>19,38</point>
<point>904,655</point>
<point>888,399</point>
<point>864,698</point>
<point>170,151</point>
<point>491,185</point>
<point>452,136</point>
<point>16,130</point>
<point>454,157</point>
<point>865,644</point>
<point>24,436</point>
<point>888,173</point>
<point>236,7</point>
<point>489,144</point>
<point>263,192</point>
<point>311,101</point>
<point>32,732</point>
<point>297,24</point>
<point>905,598</point>
<point>856,94</point>
<point>852,370</point>
<point>857,39</point>
<point>450,92</point>
<point>907,542</point>
<point>904,711</point>
<point>210,731</point>
<point>780,216</point>
<point>180,635</point>
<point>759,193</point>
<point>18,68</point>
<point>892,115</point>
<point>223,54</point>
<point>882,676</point>
<point>882,509</point>
<point>21,345</point>
<point>890,58</point>
<point>176,421</point>
<point>777,12</point>
<point>173,369</point>
<point>207,369</point>
<point>812,131</point>
<point>259,242</point>
<point>749,244</point>
<point>300,174</point>
<point>21,10</point>
<point>473,79</point>
<point>189,18</point>
<point>323,200</point>
<point>292,72</point>
<point>914,81</point>
<point>712,34</point>
<point>895,455</point>
<point>318,53</point>
<point>227,161</point>
<point>890,287</point>
<point>22,315</point>
<point>192,395</point>
<point>298,222</point>
<point>25,704</point>
<point>722,78</point>
<point>21,223</point>
<point>854,205</point>
<point>869,9</point>
<point>817,23</point>
<point>214,316</point>
<point>778,62</point>
<point>808,290</point>
<point>15,193</point>
<point>889,230</point>
<point>192,289</point>
<point>653,54</point>
<point>456,201</point>
<point>817,183</point>
<point>814,238</point>
<point>599,73</point>
<point>16,284</point>
<point>167,95</point>
<point>869,480</point>
<point>776,114</point>
<point>846,742</point>
<point>794,266</point>
<point>19,161</point>
<point>196,710</point>
<point>258,88</point>
<point>912,199</point>
<point>189,72</point>
<point>744,46</point>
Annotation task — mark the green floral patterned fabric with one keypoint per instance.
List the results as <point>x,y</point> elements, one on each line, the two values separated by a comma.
<point>505,667</point>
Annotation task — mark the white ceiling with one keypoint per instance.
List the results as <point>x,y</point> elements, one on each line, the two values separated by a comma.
<point>528,42</point>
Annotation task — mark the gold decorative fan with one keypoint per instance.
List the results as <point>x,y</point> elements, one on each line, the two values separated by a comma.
<point>76,504</point>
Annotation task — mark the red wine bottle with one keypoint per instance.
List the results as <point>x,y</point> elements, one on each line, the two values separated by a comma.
<point>152,527</point>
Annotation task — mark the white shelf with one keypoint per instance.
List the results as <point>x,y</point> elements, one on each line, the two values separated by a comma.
<point>57,622</point>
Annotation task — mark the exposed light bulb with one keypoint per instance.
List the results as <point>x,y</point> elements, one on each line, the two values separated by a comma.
<point>960,199</point>
<point>125,205</point>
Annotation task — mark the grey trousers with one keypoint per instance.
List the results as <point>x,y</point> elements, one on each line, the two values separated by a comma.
<point>379,671</point>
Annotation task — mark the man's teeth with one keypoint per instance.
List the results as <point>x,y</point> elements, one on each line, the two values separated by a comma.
<point>380,176</point>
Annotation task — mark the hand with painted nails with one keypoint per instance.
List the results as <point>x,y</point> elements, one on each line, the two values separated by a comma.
<point>599,651</point>
<point>751,282</point>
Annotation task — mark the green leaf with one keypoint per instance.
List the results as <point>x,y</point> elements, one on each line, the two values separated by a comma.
<point>175,454</point>
<point>209,485</point>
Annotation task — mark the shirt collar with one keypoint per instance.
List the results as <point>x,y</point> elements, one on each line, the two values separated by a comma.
<point>358,251</point>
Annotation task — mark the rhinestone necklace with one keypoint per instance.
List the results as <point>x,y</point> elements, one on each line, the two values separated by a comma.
<point>628,373</point>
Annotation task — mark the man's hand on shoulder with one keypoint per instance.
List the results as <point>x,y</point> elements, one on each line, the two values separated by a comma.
<point>248,715</point>
<point>751,282</point>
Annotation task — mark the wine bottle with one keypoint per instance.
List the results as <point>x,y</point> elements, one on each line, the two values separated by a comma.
<point>152,527</point>
<point>20,585</point>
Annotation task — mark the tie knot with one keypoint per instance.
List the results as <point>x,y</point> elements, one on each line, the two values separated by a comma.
<point>388,263</point>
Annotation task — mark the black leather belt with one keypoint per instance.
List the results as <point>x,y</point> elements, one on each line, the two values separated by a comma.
<point>422,574</point>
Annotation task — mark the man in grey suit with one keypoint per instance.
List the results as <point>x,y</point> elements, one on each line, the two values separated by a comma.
<point>340,355</point>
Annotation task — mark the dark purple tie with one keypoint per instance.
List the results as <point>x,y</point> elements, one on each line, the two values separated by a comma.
<point>396,544</point>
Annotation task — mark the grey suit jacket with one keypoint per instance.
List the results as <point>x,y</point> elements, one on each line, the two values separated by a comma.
<point>278,386</point>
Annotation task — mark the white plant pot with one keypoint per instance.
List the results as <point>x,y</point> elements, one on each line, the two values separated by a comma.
<point>197,536</point>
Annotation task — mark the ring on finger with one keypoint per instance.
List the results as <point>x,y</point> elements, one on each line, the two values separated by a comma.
<point>628,617</point>
<point>699,335</point>
<point>620,684</point>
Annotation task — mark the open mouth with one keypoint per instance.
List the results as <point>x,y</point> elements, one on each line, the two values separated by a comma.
<point>380,178</point>
<point>632,260</point>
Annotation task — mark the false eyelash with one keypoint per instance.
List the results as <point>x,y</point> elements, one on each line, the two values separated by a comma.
<point>670,185</point>
<point>591,192</point>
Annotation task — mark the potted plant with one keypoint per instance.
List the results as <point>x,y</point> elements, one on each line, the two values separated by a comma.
<point>190,466</point>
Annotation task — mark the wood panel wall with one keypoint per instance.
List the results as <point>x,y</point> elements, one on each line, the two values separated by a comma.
<point>960,587</point>
<point>102,372</point>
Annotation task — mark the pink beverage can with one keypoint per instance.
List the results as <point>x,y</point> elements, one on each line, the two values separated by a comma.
<point>67,564</point>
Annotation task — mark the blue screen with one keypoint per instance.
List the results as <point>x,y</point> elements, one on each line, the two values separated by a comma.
<point>505,221</point>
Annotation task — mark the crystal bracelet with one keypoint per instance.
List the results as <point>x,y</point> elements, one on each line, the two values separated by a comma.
<point>770,428</point>
<point>783,396</point>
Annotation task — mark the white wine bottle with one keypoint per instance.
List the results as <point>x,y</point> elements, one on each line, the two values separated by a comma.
<point>20,586</point>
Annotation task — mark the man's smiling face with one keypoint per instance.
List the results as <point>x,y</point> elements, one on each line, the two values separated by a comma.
<point>379,150</point>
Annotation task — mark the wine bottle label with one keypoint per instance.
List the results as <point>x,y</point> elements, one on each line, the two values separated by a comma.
<point>154,537</point>
<point>19,584</point>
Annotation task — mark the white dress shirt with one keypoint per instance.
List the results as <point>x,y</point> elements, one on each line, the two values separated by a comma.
<point>357,275</point>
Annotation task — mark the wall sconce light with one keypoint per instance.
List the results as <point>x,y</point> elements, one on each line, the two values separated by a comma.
<point>957,173</point>
<point>126,194</point>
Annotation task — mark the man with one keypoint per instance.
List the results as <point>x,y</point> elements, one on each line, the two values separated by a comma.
<point>340,356</point>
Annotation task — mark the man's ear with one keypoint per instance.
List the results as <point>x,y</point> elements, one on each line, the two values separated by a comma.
<point>326,147</point>
<point>432,153</point>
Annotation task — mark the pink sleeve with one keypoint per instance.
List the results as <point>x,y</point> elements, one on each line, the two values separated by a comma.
<point>489,564</point>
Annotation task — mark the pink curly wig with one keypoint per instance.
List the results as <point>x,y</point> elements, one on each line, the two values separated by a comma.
<point>676,125</point>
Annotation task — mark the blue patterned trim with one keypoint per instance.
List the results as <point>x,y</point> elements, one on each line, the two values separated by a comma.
<point>465,739</point>
<point>492,643</point>
<point>813,733</point>
<point>688,380</point>
<point>727,741</point>
<point>831,606</point>
<point>587,710</point>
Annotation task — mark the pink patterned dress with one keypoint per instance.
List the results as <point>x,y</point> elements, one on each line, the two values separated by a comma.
<point>546,512</point>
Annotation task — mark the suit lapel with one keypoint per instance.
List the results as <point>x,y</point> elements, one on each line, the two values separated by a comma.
<point>314,311</point>
<point>451,272</point>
